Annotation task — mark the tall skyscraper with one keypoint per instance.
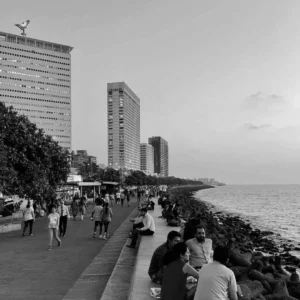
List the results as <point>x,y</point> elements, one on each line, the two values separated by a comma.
<point>35,78</point>
<point>147,158</point>
<point>123,114</point>
<point>161,155</point>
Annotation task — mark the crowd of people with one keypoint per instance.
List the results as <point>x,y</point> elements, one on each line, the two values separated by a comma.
<point>183,256</point>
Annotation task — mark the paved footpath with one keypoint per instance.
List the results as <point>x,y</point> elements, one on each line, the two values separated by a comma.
<point>29,271</point>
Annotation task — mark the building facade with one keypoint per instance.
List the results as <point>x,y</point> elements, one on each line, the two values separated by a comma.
<point>123,123</point>
<point>161,155</point>
<point>81,158</point>
<point>35,78</point>
<point>147,158</point>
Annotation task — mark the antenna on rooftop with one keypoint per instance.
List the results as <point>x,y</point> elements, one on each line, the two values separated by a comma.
<point>23,26</point>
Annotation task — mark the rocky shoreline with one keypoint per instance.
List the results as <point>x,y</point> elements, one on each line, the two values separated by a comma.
<point>256,259</point>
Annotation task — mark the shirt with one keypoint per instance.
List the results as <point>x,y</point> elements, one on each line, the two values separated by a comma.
<point>157,259</point>
<point>63,210</point>
<point>107,217</point>
<point>216,282</point>
<point>53,220</point>
<point>200,253</point>
<point>148,223</point>
<point>118,195</point>
<point>97,213</point>
<point>27,215</point>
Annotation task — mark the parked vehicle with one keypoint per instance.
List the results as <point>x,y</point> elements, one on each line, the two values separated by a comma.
<point>8,206</point>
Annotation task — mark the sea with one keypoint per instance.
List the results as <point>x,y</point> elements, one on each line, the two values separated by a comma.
<point>274,208</point>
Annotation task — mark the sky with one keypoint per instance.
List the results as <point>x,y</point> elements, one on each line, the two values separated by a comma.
<point>219,80</point>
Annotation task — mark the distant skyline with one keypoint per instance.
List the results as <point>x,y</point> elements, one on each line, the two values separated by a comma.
<point>218,80</point>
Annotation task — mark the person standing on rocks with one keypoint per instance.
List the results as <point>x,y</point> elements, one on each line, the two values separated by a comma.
<point>200,249</point>
<point>216,281</point>
<point>53,225</point>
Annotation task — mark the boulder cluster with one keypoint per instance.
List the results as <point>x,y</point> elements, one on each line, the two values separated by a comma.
<point>262,269</point>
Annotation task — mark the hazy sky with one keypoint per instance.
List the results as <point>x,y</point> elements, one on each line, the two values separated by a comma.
<point>219,80</point>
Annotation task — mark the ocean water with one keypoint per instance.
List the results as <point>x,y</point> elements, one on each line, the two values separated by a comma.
<point>266,207</point>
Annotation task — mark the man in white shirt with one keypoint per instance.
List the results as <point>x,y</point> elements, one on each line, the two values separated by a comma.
<point>200,249</point>
<point>147,229</point>
<point>64,214</point>
<point>216,281</point>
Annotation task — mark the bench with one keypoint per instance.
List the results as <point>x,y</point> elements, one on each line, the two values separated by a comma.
<point>141,282</point>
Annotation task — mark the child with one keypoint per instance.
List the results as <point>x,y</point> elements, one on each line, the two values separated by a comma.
<point>97,217</point>
<point>107,215</point>
<point>53,225</point>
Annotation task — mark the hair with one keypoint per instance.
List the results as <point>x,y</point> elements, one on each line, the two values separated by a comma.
<point>172,235</point>
<point>221,254</point>
<point>144,209</point>
<point>106,208</point>
<point>52,206</point>
<point>28,205</point>
<point>200,227</point>
<point>97,201</point>
<point>174,254</point>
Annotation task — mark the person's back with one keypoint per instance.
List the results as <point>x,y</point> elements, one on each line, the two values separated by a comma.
<point>174,280</point>
<point>216,281</point>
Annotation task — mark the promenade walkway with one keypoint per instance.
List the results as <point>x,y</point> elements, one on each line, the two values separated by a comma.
<point>29,271</point>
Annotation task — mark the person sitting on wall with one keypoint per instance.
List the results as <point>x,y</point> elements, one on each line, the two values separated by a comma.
<point>147,229</point>
<point>156,267</point>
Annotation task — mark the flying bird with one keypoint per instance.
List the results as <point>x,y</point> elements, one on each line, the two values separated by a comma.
<point>23,26</point>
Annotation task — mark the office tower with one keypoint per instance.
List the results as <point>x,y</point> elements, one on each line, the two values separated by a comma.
<point>161,155</point>
<point>147,158</point>
<point>123,114</point>
<point>35,78</point>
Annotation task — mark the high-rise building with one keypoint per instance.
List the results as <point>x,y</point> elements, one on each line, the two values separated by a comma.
<point>161,155</point>
<point>147,158</point>
<point>35,78</point>
<point>81,158</point>
<point>123,114</point>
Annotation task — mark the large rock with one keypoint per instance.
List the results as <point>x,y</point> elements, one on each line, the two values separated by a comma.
<point>239,259</point>
<point>255,287</point>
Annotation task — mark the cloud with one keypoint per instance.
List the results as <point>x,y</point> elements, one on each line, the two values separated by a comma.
<point>258,101</point>
<point>250,126</point>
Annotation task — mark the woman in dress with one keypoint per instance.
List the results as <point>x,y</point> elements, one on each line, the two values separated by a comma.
<point>82,207</point>
<point>74,207</point>
<point>107,216</point>
<point>176,272</point>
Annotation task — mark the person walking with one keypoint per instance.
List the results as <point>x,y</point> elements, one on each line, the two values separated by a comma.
<point>122,198</point>
<point>53,225</point>
<point>74,208</point>
<point>128,198</point>
<point>111,199</point>
<point>28,218</point>
<point>64,213</point>
<point>96,216</point>
<point>118,197</point>
<point>82,207</point>
<point>107,216</point>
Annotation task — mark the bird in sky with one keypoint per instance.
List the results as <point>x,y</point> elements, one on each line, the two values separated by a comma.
<point>23,26</point>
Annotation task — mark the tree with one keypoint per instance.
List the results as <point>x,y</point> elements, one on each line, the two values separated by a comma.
<point>32,163</point>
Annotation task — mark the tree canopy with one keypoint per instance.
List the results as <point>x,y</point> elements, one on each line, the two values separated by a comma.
<point>32,164</point>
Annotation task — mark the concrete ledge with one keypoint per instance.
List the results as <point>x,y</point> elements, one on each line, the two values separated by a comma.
<point>141,282</point>
<point>11,223</point>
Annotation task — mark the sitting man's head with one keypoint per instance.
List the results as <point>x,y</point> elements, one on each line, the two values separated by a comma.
<point>173,238</point>
<point>221,254</point>
<point>143,211</point>
<point>200,234</point>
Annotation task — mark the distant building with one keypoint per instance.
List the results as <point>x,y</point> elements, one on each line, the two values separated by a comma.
<point>147,158</point>
<point>161,155</point>
<point>35,78</point>
<point>123,113</point>
<point>102,166</point>
<point>82,159</point>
